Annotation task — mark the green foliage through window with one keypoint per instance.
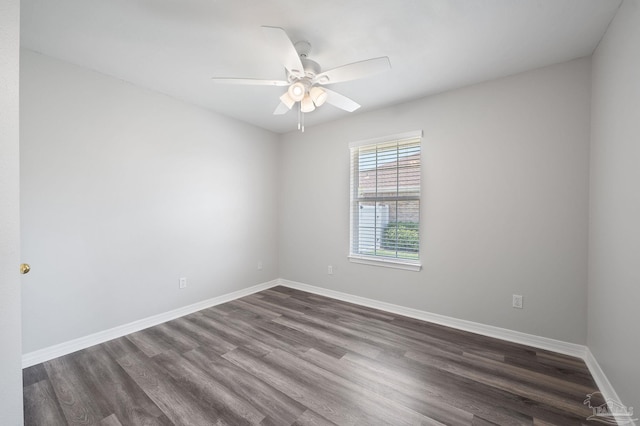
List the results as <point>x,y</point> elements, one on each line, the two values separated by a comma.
<point>401,236</point>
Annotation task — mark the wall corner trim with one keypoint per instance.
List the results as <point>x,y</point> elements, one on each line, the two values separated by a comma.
<point>51,352</point>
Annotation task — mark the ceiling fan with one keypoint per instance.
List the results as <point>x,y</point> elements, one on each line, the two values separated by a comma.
<point>305,78</point>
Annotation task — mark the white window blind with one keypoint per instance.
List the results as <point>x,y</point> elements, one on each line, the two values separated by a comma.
<point>385,199</point>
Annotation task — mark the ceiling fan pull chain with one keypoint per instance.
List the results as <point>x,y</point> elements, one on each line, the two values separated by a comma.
<point>299,112</point>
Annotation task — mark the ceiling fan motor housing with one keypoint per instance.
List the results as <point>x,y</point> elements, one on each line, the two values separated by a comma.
<point>311,68</point>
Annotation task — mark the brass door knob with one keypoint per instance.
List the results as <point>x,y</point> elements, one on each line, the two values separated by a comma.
<point>24,268</point>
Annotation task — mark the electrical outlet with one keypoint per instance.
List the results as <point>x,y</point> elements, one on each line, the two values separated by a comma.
<point>260,265</point>
<point>330,270</point>
<point>517,301</point>
<point>183,283</point>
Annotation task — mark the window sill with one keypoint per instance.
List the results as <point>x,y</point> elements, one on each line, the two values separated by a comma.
<point>385,262</point>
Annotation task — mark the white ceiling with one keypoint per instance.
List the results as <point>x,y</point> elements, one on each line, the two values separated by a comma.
<point>176,46</point>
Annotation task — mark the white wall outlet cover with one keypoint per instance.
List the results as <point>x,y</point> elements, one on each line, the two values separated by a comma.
<point>517,301</point>
<point>183,283</point>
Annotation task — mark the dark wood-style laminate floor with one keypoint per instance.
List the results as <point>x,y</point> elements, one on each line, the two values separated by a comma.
<point>286,357</point>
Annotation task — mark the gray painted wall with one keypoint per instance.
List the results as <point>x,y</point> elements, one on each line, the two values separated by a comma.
<point>504,210</point>
<point>10,354</point>
<point>614,249</point>
<point>124,191</point>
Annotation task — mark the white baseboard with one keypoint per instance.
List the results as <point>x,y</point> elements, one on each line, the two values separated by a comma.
<point>598,375</point>
<point>559,346</point>
<point>566,348</point>
<point>604,385</point>
<point>51,352</point>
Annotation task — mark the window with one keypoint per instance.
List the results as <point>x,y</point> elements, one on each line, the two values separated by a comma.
<point>385,201</point>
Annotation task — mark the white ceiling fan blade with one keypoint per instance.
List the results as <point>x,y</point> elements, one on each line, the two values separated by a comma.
<point>341,101</point>
<point>354,71</point>
<point>250,81</point>
<point>282,108</point>
<point>284,49</point>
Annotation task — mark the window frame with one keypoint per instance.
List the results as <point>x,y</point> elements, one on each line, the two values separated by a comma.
<point>376,260</point>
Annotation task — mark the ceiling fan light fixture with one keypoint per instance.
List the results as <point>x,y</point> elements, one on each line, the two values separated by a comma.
<point>306,105</point>
<point>318,95</point>
<point>287,100</point>
<point>297,91</point>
